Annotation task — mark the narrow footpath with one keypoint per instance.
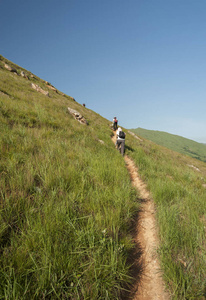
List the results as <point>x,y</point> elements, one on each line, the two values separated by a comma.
<point>151,285</point>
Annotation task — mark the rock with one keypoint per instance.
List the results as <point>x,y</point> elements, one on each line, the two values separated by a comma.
<point>51,87</point>
<point>39,89</point>
<point>23,74</point>
<point>195,168</point>
<point>10,68</point>
<point>77,116</point>
<point>102,142</point>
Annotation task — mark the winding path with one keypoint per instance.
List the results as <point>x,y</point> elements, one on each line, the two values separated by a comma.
<point>151,285</point>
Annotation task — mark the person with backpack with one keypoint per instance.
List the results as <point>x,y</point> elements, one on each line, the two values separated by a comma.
<point>120,142</point>
<point>115,122</point>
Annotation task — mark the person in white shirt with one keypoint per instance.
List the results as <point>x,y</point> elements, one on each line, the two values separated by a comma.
<point>120,142</point>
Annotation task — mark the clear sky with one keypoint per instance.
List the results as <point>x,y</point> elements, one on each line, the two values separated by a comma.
<point>143,61</point>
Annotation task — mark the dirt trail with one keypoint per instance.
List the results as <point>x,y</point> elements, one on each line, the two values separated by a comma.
<point>151,286</point>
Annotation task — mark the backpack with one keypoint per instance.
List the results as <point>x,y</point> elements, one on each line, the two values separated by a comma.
<point>115,120</point>
<point>121,135</point>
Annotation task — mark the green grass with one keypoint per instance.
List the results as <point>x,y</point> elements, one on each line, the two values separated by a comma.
<point>66,202</point>
<point>174,142</point>
<point>179,194</point>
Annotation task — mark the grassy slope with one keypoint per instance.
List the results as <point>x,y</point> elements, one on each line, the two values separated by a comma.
<point>174,142</point>
<point>64,218</point>
<point>177,184</point>
<point>67,203</point>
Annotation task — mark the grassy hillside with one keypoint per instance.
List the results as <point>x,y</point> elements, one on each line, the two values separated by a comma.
<point>67,205</point>
<point>177,184</point>
<point>174,142</point>
<point>64,219</point>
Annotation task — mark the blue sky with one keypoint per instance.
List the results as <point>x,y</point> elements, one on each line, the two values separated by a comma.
<point>143,61</point>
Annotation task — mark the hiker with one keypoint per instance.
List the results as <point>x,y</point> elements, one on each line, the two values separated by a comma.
<point>115,121</point>
<point>120,142</point>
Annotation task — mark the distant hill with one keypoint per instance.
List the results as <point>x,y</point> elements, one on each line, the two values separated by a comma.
<point>174,142</point>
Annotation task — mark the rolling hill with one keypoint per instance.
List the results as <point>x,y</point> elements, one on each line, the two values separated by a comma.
<point>174,142</point>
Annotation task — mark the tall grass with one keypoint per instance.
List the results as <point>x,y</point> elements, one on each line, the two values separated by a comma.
<point>178,190</point>
<point>66,202</point>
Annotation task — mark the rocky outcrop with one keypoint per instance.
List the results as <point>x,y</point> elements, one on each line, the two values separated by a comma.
<point>39,89</point>
<point>23,75</point>
<point>77,116</point>
<point>10,68</point>
<point>36,87</point>
<point>195,168</point>
<point>51,87</point>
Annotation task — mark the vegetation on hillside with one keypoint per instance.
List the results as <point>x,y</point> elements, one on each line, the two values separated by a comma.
<point>67,204</point>
<point>174,142</point>
<point>177,184</point>
<point>66,200</point>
